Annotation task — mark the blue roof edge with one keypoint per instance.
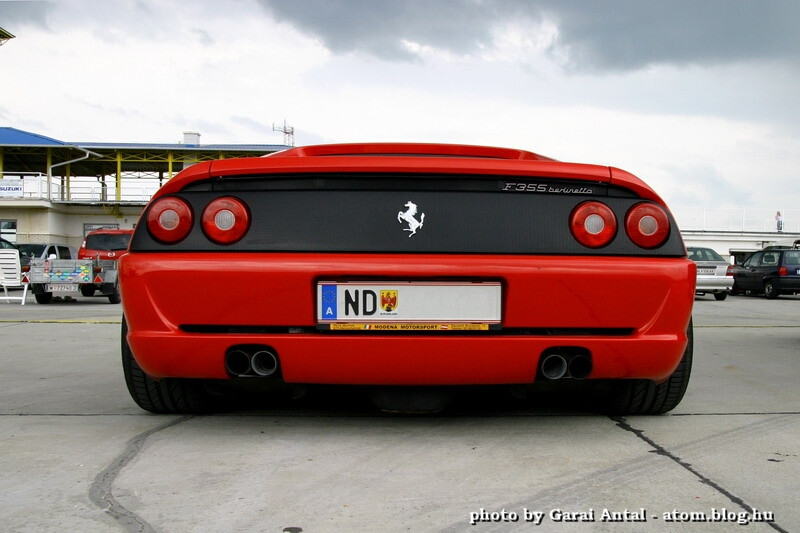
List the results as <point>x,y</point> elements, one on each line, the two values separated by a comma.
<point>15,137</point>
<point>179,146</point>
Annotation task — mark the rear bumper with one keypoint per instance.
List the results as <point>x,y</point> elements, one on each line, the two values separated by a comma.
<point>714,283</point>
<point>407,360</point>
<point>788,283</point>
<point>630,314</point>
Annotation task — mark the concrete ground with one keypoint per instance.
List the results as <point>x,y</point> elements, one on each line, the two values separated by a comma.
<point>76,454</point>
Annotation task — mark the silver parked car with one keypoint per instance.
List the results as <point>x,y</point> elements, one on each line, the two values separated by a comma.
<point>38,250</point>
<point>714,274</point>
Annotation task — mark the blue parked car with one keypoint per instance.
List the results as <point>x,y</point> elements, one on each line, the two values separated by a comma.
<point>772,272</point>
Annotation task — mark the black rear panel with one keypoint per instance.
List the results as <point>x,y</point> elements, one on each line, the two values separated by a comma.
<point>495,215</point>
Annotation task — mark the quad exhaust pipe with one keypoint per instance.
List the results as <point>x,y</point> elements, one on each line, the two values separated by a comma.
<point>554,366</point>
<point>559,363</point>
<point>251,361</point>
<point>264,363</point>
<point>580,366</point>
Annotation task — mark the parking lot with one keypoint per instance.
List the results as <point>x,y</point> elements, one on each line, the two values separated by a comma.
<point>79,455</point>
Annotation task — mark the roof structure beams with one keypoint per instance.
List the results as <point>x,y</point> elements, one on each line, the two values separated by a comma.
<point>5,36</point>
<point>25,153</point>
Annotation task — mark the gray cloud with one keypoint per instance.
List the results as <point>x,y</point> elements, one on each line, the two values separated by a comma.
<point>113,22</point>
<point>631,34</point>
<point>706,186</point>
<point>379,27</point>
<point>593,34</point>
<point>202,36</point>
<point>17,13</point>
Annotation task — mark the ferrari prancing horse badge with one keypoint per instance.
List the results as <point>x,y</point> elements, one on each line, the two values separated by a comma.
<point>409,216</point>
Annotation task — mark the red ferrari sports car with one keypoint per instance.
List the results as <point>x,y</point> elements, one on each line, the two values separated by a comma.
<point>406,266</point>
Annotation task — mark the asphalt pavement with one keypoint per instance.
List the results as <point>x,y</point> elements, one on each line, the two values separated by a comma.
<point>76,454</point>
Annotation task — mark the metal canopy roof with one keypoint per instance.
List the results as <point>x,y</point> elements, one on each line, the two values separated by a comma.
<point>15,137</point>
<point>26,152</point>
<point>5,36</point>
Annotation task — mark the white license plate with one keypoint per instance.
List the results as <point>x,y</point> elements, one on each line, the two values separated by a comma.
<point>436,303</point>
<point>55,287</point>
<point>706,271</point>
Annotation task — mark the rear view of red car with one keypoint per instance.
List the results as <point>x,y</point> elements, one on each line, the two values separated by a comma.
<point>406,267</point>
<point>105,246</point>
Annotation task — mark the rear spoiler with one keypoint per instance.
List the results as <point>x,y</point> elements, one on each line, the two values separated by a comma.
<point>411,149</point>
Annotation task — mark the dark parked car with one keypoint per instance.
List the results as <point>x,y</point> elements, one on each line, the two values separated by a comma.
<point>714,274</point>
<point>771,272</point>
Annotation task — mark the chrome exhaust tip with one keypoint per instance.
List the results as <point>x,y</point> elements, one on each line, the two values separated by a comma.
<point>580,367</point>
<point>237,363</point>
<point>554,366</point>
<point>251,361</point>
<point>559,362</point>
<point>264,363</point>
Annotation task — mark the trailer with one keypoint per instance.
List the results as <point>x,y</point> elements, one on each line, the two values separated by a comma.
<point>64,277</point>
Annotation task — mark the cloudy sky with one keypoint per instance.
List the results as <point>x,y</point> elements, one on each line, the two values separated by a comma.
<point>700,98</point>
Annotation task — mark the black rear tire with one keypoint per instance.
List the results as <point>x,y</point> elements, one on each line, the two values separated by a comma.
<point>645,397</point>
<point>770,291</point>
<point>44,297</point>
<point>115,297</point>
<point>87,289</point>
<point>719,296</point>
<point>168,395</point>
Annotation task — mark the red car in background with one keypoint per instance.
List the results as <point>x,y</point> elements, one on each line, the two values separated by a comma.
<point>106,246</point>
<point>402,266</point>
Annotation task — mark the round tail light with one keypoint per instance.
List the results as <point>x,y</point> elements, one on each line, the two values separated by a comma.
<point>647,225</point>
<point>170,219</point>
<point>226,220</point>
<point>593,224</point>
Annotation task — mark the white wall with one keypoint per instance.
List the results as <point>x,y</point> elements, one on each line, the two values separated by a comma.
<point>64,224</point>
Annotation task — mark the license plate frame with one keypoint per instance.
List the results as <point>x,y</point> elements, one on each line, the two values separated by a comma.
<point>61,287</point>
<point>424,305</point>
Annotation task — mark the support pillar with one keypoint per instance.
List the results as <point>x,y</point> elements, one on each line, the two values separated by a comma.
<point>119,176</point>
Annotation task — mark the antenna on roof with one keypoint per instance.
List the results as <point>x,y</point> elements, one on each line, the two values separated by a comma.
<point>5,36</point>
<point>288,133</point>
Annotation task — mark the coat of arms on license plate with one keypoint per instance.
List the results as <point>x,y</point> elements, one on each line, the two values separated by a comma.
<point>388,301</point>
